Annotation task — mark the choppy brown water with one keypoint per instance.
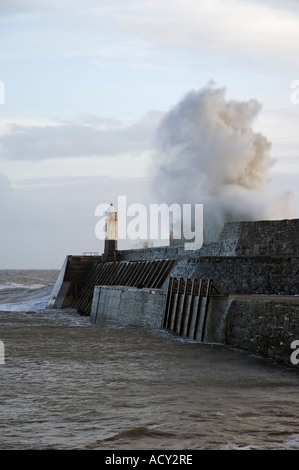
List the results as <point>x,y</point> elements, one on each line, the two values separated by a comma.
<point>68,384</point>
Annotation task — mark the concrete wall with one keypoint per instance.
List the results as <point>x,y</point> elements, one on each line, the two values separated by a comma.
<point>59,290</point>
<point>145,307</point>
<point>249,257</point>
<point>71,279</point>
<point>276,275</point>
<point>128,306</point>
<point>263,237</point>
<point>216,322</point>
<point>258,238</point>
<point>266,327</point>
<point>148,254</point>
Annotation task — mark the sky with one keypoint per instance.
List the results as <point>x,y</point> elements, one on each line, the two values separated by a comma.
<point>85,86</point>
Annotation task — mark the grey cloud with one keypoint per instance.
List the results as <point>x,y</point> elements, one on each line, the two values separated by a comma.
<point>76,139</point>
<point>5,185</point>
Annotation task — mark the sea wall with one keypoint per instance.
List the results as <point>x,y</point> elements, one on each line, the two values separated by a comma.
<point>266,327</point>
<point>250,258</point>
<point>71,279</point>
<point>259,257</point>
<point>276,275</point>
<point>258,238</point>
<point>127,306</point>
<point>149,254</point>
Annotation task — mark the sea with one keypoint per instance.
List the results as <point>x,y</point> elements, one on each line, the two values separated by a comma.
<point>67,384</point>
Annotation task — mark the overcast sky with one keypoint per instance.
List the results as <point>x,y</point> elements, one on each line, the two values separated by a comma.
<point>85,85</point>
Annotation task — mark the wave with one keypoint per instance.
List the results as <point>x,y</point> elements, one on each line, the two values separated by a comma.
<point>293,442</point>
<point>18,297</point>
<point>15,285</point>
<point>138,431</point>
<point>132,437</point>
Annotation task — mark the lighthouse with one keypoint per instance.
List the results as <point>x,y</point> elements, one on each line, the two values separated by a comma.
<point>111,232</point>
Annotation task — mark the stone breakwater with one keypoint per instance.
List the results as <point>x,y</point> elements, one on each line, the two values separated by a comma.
<point>258,261</point>
<point>267,327</point>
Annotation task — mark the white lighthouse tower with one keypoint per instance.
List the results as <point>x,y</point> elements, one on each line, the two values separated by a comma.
<point>111,231</point>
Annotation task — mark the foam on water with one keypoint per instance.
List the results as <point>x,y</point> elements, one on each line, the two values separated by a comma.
<point>14,285</point>
<point>33,305</point>
<point>21,296</point>
<point>293,443</point>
